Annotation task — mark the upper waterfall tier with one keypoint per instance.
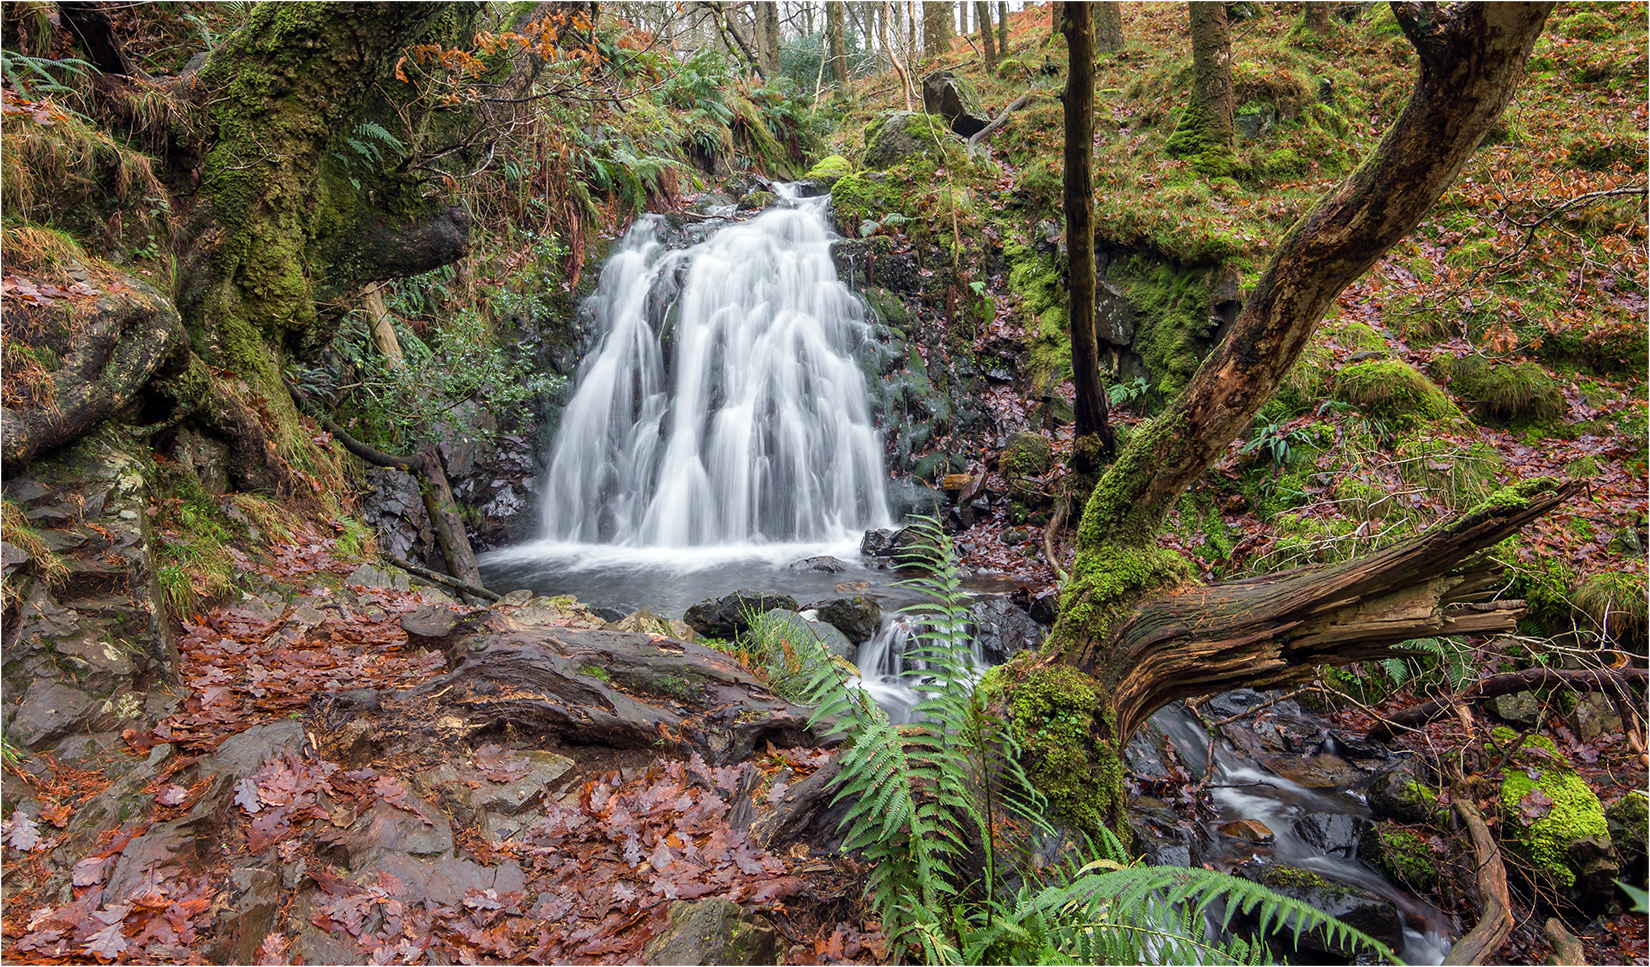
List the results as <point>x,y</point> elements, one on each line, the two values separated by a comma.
<point>723,404</point>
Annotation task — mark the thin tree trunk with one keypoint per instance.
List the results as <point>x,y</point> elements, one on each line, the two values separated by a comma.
<point>1108,26</point>
<point>834,27</point>
<point>1079,204</point>
<point>770,30</point>
<point>1002,28</point>
<point>982,12</point>
<point>1206,127</point>
<point>893,55</point>
<point>383,331</point>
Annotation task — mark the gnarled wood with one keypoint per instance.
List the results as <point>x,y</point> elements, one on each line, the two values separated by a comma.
<point>1495,920</point>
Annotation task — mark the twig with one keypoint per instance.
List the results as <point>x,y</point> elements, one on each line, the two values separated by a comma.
<point>1228,720</point>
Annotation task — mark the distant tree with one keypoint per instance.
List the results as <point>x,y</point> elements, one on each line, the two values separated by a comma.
<point>982,15</point>
<point>1315,17</point>
<point>834,28</point>
<point>1093,430</point>
<point>1206,128</point>
<point>1002,27</point>
<point>936,28</point>
<point>1108,25</point>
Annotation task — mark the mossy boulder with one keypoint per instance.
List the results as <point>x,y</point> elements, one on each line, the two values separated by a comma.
<point>1026,455</point>
<point>901,135</point>
<point>1553,821</point>
<point>1629,823</point>
<point>830,170</point>
<point>857,197</point>
<point>1391,389</point>
<point>1501,390</point>
<point>1401,855</point>
<point>1057,714</point>
<point>1586,26</point>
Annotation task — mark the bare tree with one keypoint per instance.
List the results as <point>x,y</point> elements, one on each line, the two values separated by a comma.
<point>982,17</point>
<point>1093,430</point>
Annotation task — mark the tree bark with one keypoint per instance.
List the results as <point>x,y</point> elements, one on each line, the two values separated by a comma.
<point>1002,28</point>
<point>770,31</point>
<point>1315,17</point>
<point>1128,615</point>
<point>1495,919</point>
<point>839,49</point>
<point>1108,26</point>
<point>982,16</point>
<point>1079,205</point>
<point>1582,680</point>
<point>936,28</point>
<point>1206,128</point>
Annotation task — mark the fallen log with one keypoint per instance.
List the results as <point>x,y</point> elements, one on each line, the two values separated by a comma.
<point>1582,680</point>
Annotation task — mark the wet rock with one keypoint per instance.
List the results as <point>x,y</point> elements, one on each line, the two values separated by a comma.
<point>1399,792</point>
<point>1144,757</point>
<point>49,711</point>
<point>1044,607</point>
<point>1520,708</point>
<point>1629,824</point>
<point>824,564</point>
<point>1401,855</point>
<point>952,98</point>
<point>1356,908</point>
<point>648,623</point>
<point>1594,715</point>
<point>242,926</point>
<point>369,576</point>
<point>1315,772</point>
<point>546,774</point>
<point>244,753</point>
<point>1003,629</point>
<point>1164,836</point>
<point>714,931</point>
<point>1025,455</point>
<point>1334,833</point>
<point>166,851</point>
<point>420,831</point>
<point>857,617</point>
<point>609,614</point>
<point>514,599</point>
<point>908,498</point>
<point>800,628</point>
<point>430,626</point>
<point>727,616</point>
<point>1248,830</point>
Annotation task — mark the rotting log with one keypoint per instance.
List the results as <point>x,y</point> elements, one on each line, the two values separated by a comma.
<point>622,690</point>
<point>1276,630</point>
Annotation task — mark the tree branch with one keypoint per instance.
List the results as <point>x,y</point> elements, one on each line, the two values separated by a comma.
<point>998,121</point>
<point>1589,680</point>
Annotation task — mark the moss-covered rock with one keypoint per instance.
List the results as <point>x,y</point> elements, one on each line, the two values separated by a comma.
<point>1615,601</point>
<point>1629,823</point>
<point>830,170</point>
<point>1503,391</point>
<point>1178,311</point>
<point>1586,26</point>
<point>857,197</point>
<point>1025,455</point>
<point>1391,389</point>
<point>901,135</point>
<point>1552,819</point>
<point>1399,854</point>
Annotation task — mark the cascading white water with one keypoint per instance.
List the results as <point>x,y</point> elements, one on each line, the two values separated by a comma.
<point>723,404</point>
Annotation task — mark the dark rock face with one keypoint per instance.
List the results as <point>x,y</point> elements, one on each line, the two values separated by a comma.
<point>1335,833</point>
<point>1002,628</point>
<point>1356,908</point>
<point>799,629</point>
<point>725,617</point>
<point>92,651</point>
<point>713,931</point>
<point>858,617</point>
<point>943,93</point>
<point>1399,793</point>
<point>824,565</point>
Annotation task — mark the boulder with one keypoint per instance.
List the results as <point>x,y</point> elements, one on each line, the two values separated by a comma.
<point>728,615</point>
<point>1355,907</point>
<point>1555,823</point>
<point>857,617</point>
<point>1401,855</point>
<point>830,170</point>
<point>714,931</point>
<point>908,498</point>
<point>1629,823</point>
<point>1002,628</point>
<point>1025,455</point>
<point>888,543</point>
<point>950,97</point>
<point>1399,793</point>
<point>900,135</point>
<point>1334,833</point>
<point>824,564</point>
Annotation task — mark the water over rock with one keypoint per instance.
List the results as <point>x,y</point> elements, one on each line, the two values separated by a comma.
<point>1355,907</point>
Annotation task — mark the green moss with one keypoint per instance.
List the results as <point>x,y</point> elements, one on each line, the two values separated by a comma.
<point>1503,391</point>
<point>830,170</point>
<point>1586,26</point>
<point>1391,389</point>
<point>1058,715</point>
<point>1106,580</point>
<point>1176,320</point>
<point>1293,877</point>
<point>858,197</point>
<point>1025,455</point>
<point>597,672</point>
<point>1401,855</point>
<point>1193,138</point>
<point>1575,813</point>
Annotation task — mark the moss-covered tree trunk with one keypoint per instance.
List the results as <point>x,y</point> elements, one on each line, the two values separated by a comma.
<point>283,228</point>
<point>1131,617</point>
<point>1002,28</point>
<point>1206,128</point>
<point>1094,436</point>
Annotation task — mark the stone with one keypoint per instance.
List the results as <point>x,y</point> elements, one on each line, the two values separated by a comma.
<point>728,615</point>
<point>1398,793</point>
<point>834,641</point>
<point>1025,455</point>
<point>714,931</point>
<point>49,711</point>
<point>386,828</point>
<point>1045,607</point>
<point>1248,830</point>
<point>907,498</point>
<point>644,621</point>
<point>1355,907</point>
<point>1594,715</point>
<point>1322,771</point>
<point>547,774</point>
<point>952,98</point>
<point>887,542</point>
<point>1629,824</point>
<point>514,599</point>
<point>898,136</point>
<point>250,918</point>
<point>824,564</point>
<point>830,170</point>
<point>756,201</point>
<point>858,617</point>
<point>372,577</point>
<point>1335,833</point>
<point>429,626</point>
<point>1143,756</point>
<point>1164,836</point>
<point>244,753</point>
<point>1519,708</point>
<point>1002,629</point>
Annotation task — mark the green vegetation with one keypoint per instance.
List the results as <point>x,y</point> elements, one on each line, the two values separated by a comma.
<point>1391,389</point>
<point>1502,390</point>
<point>1549,811</point>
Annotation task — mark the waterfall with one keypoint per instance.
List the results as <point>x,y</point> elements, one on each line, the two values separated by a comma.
<point>722,404</point>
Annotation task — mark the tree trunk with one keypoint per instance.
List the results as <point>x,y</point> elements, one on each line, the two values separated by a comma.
<point>1206,129</point>
<point>1128,616</point>
<point>839,49</point>
<point>1092,423</point>
<point>982,15</point>
<point>936,17</point>
<point>1108,26</point>
<point>1315,17</point>
<point>1002,28</point>
<point>893,55</point>
<point>770,30</point>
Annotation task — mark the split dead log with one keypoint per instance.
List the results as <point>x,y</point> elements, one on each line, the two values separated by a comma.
<point>1495,920</point>
<point>1274,631</point>
<point>1582,680</point>
<point>622,690</point>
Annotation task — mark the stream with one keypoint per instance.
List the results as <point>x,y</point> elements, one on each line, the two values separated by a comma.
<point>719,437</point>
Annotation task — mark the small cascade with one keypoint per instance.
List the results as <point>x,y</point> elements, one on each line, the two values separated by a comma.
<point>723,404</point>
<point>890,674</point>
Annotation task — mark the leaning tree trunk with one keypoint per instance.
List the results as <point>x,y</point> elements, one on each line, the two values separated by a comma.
<point>282,231</point>
<point>1130,617</point>
<point>1093,431</point>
